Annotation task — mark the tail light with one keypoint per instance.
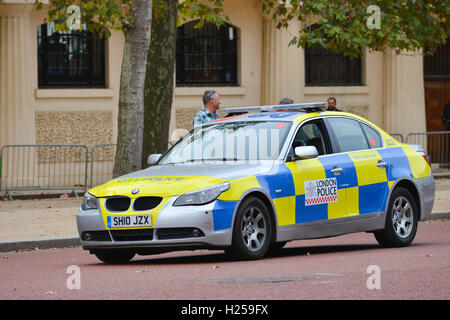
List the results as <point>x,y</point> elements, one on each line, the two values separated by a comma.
<point>427,160</point>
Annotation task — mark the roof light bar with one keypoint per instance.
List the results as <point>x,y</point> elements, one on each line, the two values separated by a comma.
<point>308,107</point>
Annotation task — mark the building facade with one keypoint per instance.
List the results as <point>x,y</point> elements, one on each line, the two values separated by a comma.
<point>60,88</point>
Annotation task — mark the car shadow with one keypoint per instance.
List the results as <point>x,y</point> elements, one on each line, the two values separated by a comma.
<point>220,256</point>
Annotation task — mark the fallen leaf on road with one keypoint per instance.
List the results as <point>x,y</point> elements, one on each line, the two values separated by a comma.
<point>215,267</point>
<point>64,196</point>
<point>429,255</point>
<point>49,292</point>
<point>5,257</point>
<point>308,254</point>
<point>141,271</point>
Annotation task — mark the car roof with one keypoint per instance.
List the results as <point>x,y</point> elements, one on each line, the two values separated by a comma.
<point>293,116</point>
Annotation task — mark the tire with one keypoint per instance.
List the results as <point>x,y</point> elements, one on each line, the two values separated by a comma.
<point>114,256</point>
<point>401,220</point>
<point>252,231</point>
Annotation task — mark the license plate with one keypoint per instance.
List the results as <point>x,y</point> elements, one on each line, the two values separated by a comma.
<point>129,221</point>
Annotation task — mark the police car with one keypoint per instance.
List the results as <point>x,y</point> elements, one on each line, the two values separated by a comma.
<point>249,183</point>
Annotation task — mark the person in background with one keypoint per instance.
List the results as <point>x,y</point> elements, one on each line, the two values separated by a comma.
<point>286,101</point>
<point>332,104</point>
<point>211,103</point>
<point>446,117</point>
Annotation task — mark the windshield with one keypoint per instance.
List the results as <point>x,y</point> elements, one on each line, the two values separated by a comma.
<point>232,141</point>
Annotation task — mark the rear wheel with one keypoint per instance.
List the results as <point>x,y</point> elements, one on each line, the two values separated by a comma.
<point>114,255</point>
<point>401,220</point>
<point>252,231</point>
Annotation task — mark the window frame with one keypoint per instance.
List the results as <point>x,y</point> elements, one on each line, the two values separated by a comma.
<point>309,51</point>
<point>234,53</point>
<point>322,126</point>
<point>81,79</point>
<point>334,140</point>
<point>367,137</point>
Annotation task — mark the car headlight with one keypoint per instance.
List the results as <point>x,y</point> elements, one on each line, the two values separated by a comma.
<point>89,202</point>
<point>202,196</point>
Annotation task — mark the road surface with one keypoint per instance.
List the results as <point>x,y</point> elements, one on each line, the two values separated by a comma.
<point>343,267</point>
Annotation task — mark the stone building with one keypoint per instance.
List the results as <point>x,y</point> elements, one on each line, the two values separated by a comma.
<point>64,88</point>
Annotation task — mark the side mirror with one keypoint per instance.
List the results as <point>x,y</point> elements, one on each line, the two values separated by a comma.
<point>153,158</point>
<point>306,152</point>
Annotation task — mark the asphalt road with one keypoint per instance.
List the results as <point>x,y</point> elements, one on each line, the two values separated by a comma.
<point>334,268</point>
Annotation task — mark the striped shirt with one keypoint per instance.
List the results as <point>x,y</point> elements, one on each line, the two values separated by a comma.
<point>204,116</point>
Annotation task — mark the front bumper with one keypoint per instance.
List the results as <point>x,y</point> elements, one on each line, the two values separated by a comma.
<point>164,234</point>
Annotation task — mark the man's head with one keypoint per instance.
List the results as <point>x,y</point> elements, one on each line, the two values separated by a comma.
<point>331,104</point>
<point>286,101</point>
<point>211,100</point>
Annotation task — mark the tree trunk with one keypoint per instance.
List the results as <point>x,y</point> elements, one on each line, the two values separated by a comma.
<point>131,99</point>
<point>158,91</point>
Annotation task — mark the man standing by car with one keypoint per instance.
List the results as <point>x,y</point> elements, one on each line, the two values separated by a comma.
<point>211,103</point>
<point>332,104</point>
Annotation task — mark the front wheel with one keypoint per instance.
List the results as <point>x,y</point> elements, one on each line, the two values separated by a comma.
<point>401,220</point>
<point>252,231</point>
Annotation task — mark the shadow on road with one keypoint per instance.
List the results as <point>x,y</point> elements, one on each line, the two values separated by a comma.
<point>220,256</point>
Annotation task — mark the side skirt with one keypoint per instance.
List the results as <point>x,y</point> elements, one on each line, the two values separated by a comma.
<point>331,228</point>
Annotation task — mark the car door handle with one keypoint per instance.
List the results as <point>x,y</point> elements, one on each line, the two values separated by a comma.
<point>337,171</point>
<point>381,164</point>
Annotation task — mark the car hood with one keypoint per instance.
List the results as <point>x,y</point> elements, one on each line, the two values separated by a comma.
<point>177,179</point>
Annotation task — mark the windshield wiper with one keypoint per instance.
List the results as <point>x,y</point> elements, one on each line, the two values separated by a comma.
<point>209,159</point>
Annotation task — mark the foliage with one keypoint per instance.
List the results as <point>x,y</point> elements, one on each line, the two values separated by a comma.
<point>100,16</point>
<point>211,11</point>
<point>341,25</point>
<point>104,16</point>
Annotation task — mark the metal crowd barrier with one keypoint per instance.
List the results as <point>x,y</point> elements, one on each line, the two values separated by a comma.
<point>40,167</point>
<point>102,163</point>
<point>397,136</point>
<point>436,145</point>
<point>65,167</point>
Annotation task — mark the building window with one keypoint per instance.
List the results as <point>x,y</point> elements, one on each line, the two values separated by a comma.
<point>206,56</point>
<point>70,60</point>
<point>437,66</point>
<point>326,68</point>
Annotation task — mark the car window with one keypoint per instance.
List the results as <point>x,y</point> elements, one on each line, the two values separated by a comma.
<point>349,134</point>
<point>310,134</point>
<point>246,140</point>
<point>373,136</point>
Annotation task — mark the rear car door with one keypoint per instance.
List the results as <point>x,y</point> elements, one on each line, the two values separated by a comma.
<point>366,184</point>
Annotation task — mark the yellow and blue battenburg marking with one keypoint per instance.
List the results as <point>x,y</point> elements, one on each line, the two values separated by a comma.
<point>362,187</point>
<point>302,191</point>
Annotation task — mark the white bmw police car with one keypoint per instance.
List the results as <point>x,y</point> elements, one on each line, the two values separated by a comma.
<point>249,183</point>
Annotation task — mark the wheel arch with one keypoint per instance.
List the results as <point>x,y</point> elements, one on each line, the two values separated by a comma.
<point>265,198</point>
<point>412,188</point>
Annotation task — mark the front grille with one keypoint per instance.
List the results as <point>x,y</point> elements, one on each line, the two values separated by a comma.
<point>179,233</point>
<point>95,236</point>
<point>118,204</point>
<point>146,203</point>
<point>132,235</point>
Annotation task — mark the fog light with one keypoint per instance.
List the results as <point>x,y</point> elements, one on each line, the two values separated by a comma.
<point>196,233</point>
<point>87,236</point>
